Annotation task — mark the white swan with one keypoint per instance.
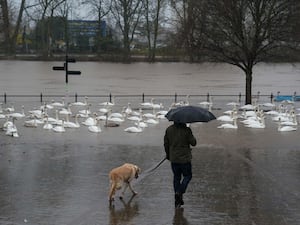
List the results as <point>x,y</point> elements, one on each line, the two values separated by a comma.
<point>286,128</point>
<point>95,128</point>
<point>134,129</point>
<point>10,109</point>
<point>58,104</point>
<point>91,121</point>
<point>226,118</point>
<point>65,111</point>
<point>112,103</point>
<point>260,123</point>
<point>128,109</point>
<point>59,128</point>
<point>152,121</point>
<point>33,123</point>
<point>11,129</point>
<point>150,115</point>
<point>47,125</point>
<point>18,115</point>
<point>147,104</point>
<point>85,103</point>
<point>229,125</point>
<point>85,112</point>
<point>69,124</point>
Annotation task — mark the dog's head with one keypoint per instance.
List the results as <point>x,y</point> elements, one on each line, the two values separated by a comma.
<point>137,171</point>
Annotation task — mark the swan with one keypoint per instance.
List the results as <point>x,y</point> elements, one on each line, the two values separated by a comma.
<point>152,121</point>
<point>37,113</point>
<point>112,103</point>
<point>46,106</point>
<point>7,122</point>
<point>115,119</point>
<point>226,118</point>
<point>18,115</point>
<point>85,111</point>
<point>33,123</point>
<point>260,123</point>
<point>183,103</point>
<point>10,109</point>
<point>95,128</point>
<point>229,125</point>
<point>59,128</point>
<point>90,121</point>
<point>58,104</point>
<point>147,104</point>
<point>11,129</point>
<point>85,103</point>
<point>111,123</point>
<point>291,121</point>
<point>286,128</point>
<point>56,121</point>
<point>65,111</point>
<point>150,115</point>
<point>116,115</point>
<point>69,124</point>
<point>47,125</point>
<point>157,106</point>
<point>128,110</point>
<point>104,110</point>
<point>141,124</point>
<point>134,129</point>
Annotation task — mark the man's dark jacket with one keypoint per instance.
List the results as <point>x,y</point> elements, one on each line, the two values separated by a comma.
<point>177,141</point>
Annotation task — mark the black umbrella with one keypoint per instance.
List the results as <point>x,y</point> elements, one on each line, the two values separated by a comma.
<point>189,114</point>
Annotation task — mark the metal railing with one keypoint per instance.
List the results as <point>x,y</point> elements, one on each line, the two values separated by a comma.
<point>142,96</point>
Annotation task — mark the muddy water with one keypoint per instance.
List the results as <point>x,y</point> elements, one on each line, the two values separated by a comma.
<point>242,176</point>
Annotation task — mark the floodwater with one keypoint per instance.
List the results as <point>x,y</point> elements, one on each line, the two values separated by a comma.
<point>240,176</point>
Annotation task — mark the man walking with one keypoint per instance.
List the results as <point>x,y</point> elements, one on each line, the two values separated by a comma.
<point>177,141</point>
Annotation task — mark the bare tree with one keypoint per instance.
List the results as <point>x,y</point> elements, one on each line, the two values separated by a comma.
<point>10,31</point>
<point>153,10</point>
<point>127,14</point>
<point>101,9</point>
<point>246,32</point>
<point>190,21</point>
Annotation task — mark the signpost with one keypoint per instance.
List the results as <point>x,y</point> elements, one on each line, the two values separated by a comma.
<point>68,72</point>
<point>65,68</point>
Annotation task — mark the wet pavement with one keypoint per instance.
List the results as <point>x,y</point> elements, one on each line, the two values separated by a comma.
<point>243,176</point>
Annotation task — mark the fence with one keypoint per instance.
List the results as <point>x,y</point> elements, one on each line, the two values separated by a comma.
<point>208,96</point>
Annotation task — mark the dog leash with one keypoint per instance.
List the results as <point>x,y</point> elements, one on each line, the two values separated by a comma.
<point>155,167</point>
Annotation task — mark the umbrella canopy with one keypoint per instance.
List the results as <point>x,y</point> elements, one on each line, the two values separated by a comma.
<point>189,114</point>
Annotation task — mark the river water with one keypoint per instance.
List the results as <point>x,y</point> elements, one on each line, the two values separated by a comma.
<point>240,176</point>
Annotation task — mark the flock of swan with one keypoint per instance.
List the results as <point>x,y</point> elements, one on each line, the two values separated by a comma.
<point>68,115</point>
<point>59,116</point>
<point>254,116</point>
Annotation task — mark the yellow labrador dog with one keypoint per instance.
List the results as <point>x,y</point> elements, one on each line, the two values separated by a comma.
<point>121,177</point>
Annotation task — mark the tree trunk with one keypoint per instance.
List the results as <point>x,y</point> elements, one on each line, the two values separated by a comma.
<point>6,25</point>
<point>248,99</point>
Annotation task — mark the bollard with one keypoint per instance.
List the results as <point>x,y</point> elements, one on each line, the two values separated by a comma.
<point>143,97</point>
<point>240,97</point>
<point>109,97</point>
<point>5,97</point>
<point>76,97</point>
<point>207,97</point>
<point>175,97</point>
<point>271,97</point>
<point>41,97</point>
